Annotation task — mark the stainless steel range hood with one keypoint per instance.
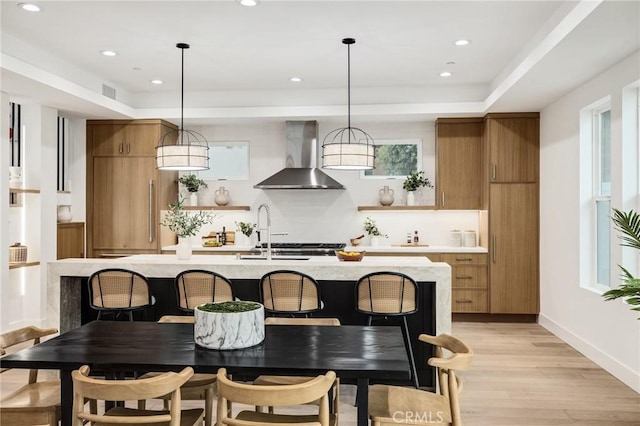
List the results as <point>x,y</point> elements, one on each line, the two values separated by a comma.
<point>301,159</point>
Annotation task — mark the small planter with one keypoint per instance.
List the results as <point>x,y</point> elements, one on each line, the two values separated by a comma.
<point>229,325</point>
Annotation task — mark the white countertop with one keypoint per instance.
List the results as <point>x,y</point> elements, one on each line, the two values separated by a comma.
<point>370,249</point>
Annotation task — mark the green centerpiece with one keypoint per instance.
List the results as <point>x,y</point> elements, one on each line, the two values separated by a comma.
<point>228,325</point>
<point>229,307</point>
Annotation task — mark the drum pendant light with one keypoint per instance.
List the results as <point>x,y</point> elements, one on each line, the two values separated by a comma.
<point>182,149</point>
<point>348,148</point>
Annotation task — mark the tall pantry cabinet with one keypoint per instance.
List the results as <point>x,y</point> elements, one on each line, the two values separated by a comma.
<point>511,197</point>
<point>125,191</point>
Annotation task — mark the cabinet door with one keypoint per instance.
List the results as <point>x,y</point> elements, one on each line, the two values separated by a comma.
<point>107,139</point>
<point>141,139</point>
<point>70,240</point>
<point>459,154</point>
<point>513,145</point>
<point>513,248</point>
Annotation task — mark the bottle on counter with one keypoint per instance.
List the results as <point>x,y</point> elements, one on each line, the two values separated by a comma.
<point>223,236</point>
<point>416,239</point>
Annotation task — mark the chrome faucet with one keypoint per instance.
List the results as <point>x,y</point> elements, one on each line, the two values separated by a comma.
<point>268,229</point>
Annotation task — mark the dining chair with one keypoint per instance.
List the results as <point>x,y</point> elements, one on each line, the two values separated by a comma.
<point>118,291</point>
<point>313,389</point>
<point>36,402</point>
<point>199,387</point>
<point>285,292</point>
<point>195,287</point>
<point>334,393</point>
<point>389,294</point>
<point>85,387</point>
<point>390,405</point>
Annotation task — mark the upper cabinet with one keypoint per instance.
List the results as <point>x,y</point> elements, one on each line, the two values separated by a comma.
<point>458,165</point>
<point>125,138</point>
<point>512,147</point>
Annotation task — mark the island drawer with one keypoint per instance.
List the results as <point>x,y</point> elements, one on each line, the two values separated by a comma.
<point>469,277</point>
<point>455,259</point>
<point>469,301</point>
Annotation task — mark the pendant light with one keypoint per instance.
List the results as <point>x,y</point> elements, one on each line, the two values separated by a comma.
<point>182,149</point>
<point>348,148</point>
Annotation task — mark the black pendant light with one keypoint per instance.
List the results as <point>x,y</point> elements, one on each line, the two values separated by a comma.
<point>182,149</point>
<point>348,148</point>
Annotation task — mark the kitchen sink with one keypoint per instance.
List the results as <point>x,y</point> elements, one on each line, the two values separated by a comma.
<point>278,257</point>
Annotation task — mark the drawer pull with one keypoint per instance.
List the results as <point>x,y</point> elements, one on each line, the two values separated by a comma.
<point>464,301</point>
<point>463,259</point>
<point>464,277</point>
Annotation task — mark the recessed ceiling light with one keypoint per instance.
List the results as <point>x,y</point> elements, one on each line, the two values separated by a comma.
<point>445,74</point>
<point>157,81</point>
<point>248,2</point>
<point>461,42</point>
<point>296,79</point>
<point>108,52</point>
<point>29,7</point>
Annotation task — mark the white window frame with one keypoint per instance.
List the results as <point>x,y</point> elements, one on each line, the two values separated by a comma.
<point>598,196</point>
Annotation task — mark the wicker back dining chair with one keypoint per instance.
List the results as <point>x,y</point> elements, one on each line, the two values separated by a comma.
<point>195,287</point>
<point>389,294</point>
<point>284,292</point>
<point>119,291</point>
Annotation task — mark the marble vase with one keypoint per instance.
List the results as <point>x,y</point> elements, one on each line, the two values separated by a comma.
<point>234,330</point>
<point>411,198</point>
<point>184,249</point>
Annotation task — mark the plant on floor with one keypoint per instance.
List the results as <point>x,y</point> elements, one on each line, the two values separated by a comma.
<point>245,227</point>
<point>628,223</point>
<point>372,229</point>
<point>183,223</point>
<point>192,183</point>
<point>415,180</point>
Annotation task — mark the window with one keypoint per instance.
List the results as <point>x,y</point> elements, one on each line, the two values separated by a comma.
<point>63,154</point>
<point>395,158</point>
<point>602,192</point>
<point>14,134</point>
<point>227,160</point>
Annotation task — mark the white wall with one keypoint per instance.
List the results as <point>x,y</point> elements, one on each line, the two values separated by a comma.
<point>606,332</point>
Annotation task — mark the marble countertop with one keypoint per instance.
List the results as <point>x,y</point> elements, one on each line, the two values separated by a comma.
<point>370,249</point>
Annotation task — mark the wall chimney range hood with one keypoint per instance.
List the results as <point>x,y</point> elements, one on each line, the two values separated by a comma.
<point>301,160</point>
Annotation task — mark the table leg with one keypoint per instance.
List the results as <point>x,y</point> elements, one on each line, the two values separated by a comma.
<point>66,397</point>
<point>362,400</point>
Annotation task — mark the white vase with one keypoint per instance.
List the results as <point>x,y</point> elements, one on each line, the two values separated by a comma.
<point>193,198</point>
<point>15,177</point>
<point>64,213</point>
<point>222,196</point>
<point>411,198</point>
<point>375,241</point>
<point>184,249</point>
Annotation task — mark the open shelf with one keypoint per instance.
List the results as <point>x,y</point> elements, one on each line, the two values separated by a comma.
<point>15,197</point>
<point>395,208</point>
<point>22,265</point>
<point>217,208</point>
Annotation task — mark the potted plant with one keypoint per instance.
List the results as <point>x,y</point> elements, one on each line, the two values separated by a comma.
<point>372,229</point>
<point>228,325</point>
<point>193,185</point>
<point>246,229</point>
<point>414,181</point>
<point>629,225</point>
<point>185,225</point>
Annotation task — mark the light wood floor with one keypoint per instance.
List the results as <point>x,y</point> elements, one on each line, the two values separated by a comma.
<point>521,375</point>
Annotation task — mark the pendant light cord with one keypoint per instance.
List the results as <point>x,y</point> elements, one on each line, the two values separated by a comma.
<point>349,89</point>
<point>182,91</point>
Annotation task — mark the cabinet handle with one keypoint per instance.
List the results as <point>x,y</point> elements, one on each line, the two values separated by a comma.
<point>443,199</point>
<point>120,148</point>
<point>463,277</point>
<point>495,248</point>
<point>464,301</point>
<point>463,259</point>
<point>128,148</point>
<point>493,171</point>
<point>151,210</point>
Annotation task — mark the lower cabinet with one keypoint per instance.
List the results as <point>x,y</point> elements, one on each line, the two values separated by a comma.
<point>70,240</point>
<point>469,278</point>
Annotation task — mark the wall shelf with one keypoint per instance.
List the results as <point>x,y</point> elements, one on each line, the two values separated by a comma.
<point>395,208</point>
<point>24,191</point>
<point>22,265</point>
<point>247,208</point>
<point>15,199</point>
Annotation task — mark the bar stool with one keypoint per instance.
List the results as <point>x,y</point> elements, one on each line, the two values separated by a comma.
<point>195,287</point>
<point>119,291</point>
<point>389,294</point>
<point>291,293</point>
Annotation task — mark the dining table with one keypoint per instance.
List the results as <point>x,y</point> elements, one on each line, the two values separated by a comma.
<point>360,354</point>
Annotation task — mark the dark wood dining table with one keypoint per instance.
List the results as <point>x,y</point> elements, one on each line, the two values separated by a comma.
<point>358,353</point>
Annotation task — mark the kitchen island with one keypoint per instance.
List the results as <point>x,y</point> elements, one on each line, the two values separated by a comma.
<point>67,281</point>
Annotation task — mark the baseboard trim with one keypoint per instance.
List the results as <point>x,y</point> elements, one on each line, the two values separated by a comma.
<point>620,371</point>
<point>464,317</point>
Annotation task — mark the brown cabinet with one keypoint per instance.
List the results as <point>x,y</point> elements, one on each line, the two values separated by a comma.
<point>70,240</point>
<point>468,282</point>
<point>512,147</point>
<point>458,165</point>
<point>125,191</point>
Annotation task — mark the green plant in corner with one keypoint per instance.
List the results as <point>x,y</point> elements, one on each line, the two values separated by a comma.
<point>415,180</point>
<point>183,223</point>
<point>245,227</point>
<point>628,223</point>
<point>192,183</point>
<point>372,229</point>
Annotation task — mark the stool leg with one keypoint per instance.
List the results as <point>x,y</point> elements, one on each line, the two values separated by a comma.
<point>369,319</point>
<point>412,360</point>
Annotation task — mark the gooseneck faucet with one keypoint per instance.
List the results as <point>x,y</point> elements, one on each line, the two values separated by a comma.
<point>268,228</point>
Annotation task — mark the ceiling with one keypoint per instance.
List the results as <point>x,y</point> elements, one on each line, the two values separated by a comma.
<point>523,55</point>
